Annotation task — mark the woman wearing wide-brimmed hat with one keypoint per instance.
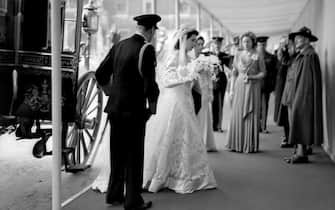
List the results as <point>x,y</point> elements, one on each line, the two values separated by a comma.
<point>306,127</point>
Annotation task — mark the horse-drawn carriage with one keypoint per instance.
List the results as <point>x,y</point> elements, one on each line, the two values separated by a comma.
<point>25,80</point>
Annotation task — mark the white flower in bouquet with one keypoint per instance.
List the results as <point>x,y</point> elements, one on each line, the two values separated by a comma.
<point>188,72</point>
<point>209,64</point>
<point>254,57</point>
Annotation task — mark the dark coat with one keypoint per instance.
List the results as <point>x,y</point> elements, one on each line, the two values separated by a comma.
<point>307,123</point>
<point>129,90</point>
<point>280,111</point>
<point>269,81</point>
<point>221,82</point>
<point>289,88</point>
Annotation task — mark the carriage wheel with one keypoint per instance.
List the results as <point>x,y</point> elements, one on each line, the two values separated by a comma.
<point>83,136</point>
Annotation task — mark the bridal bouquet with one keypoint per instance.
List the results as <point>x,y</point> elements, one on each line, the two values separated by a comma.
<point>209,64</point>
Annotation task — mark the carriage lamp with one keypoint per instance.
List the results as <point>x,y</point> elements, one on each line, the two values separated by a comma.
<point>90,18</point>
<point>90,26</point>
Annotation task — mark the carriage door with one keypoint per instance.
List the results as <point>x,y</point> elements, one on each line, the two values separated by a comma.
<point>34,64</point>
<point>7,61</point>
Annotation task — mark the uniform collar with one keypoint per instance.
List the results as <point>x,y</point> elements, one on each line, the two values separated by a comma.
<point>139,37</point>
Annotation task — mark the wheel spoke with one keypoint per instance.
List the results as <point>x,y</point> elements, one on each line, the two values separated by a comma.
<point>87,96</point>
<point>78,146</point>
<point>82,94</point>
<point>85,149</point>
<point>74,139</point>
<point>92,99</point>
<point>71,132</point>
<point>82,98</point>
<point>90,112</point>
<point>90,136</point>
<point>92,85</point>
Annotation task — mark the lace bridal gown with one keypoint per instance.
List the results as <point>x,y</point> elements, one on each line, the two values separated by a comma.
<point>175,156</point>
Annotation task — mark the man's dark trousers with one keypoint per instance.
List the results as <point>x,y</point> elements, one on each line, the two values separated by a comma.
<point>126,154</point>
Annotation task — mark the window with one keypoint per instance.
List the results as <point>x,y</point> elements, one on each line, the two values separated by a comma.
<point>3,7</point>
<point>69,38</point>
<point>147,6</point>
<point>121,7</point>
<point>185,8</point>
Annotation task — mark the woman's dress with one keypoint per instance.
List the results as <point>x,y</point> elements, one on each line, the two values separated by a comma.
<point>205,113</point>
<point>243,133</point>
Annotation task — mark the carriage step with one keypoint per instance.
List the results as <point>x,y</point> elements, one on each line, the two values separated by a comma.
<point>68,150</point>
<point>7,120</point>
<point>76,168</point>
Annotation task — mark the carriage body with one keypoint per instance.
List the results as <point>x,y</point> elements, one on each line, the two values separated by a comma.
<point>25,74</point>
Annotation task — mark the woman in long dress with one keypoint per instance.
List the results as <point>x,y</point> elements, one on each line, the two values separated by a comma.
<point>248,71</point>
<point>205,113</point>
<point>175,156</point>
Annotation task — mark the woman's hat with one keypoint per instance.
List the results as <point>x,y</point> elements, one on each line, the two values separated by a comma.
<point>306,32</point>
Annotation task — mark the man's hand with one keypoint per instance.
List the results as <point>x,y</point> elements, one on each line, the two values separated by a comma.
<point>153,107</point>
<point>147,114</point>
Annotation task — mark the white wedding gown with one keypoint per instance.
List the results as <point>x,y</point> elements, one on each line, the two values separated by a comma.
<point>175,155</point>
<point>100,184</point>
<point>205,112</point>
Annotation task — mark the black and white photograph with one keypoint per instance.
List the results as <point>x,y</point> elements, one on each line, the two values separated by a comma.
<point>167,105</point>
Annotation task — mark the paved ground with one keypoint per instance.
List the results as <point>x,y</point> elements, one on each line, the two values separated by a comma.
<point>260,181</point>
<point>25,182</point>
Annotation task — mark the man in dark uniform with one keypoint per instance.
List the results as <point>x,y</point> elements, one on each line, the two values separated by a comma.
<point>269,81</point>
<point>280,116</point>
<point>220,85</point>
<point>133,95</point>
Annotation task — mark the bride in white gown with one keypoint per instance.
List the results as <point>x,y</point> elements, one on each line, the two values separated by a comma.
<point>175,156</point>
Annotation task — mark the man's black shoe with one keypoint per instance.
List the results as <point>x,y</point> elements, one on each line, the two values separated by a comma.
<point>115,202</point>
<point>286,145</point>
<point>309,151</point>
<point>145,205</point>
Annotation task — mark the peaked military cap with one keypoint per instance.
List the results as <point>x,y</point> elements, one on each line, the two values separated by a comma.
<point>291,36</point>
<point>262,39</point>
<point>218,38</point>
<point>306,32</point>
<point>148,20</point>
<point>236,40</point>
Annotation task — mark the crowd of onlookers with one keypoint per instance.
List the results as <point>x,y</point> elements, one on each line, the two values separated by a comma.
<point>251,74</point>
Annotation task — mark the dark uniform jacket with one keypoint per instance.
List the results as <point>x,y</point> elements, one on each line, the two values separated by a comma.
<point>280,113</point>
<point>129,90</point>
<point>269,81</point>
<point>221,82</point>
